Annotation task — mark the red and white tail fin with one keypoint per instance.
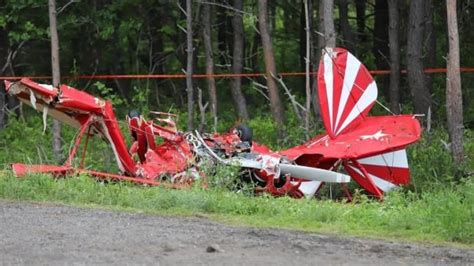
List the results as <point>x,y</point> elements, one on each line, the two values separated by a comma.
<point>380,173</point>
<point>346,90</point>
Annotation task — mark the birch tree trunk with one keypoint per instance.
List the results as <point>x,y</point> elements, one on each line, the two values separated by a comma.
<point>270,67</point>
<point>238,61</point>
<point>453,86</point>
<point>394,46</point>
<point>57,145</point>
<point>208,51</point>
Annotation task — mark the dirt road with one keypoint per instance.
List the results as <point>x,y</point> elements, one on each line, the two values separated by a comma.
<point>55,234</point>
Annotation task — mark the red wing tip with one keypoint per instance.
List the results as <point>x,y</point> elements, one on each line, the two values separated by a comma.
<point>19,169</point>
<point>7,85</point>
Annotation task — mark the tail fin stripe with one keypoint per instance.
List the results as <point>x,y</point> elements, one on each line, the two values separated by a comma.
<point>394,175</point>
<point>328,79</point>
<point>379,182</point>
<point>392,159</point>
<point>352,69</point>
<point>366,101</point>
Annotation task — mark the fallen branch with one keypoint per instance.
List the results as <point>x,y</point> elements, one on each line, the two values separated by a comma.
<point>202,110</point>
<point>257,85</point>
<point>293,101</point>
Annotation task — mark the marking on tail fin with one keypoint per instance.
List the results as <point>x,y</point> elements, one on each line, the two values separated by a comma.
<point>379,182</point>
<point>376,136</point>
<point>347,90</point>
<point>368,97</point>
<point>328,79</point>
<point>391,159</point>
<point>386,170</point>
<point>352,68</point>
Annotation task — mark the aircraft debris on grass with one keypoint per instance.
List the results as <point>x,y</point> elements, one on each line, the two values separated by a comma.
<point>370,149</point>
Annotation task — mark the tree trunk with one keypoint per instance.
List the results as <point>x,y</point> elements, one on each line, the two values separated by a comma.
<point>453,86</point>
<point>254,51</point>
<point>189,67</point>
<point>237,61</point>
<point>415,70</point>
<point>211,83</point>
<point>222,39</point>
<point>321,39</point>
<point>430,42</point>
<point>3,104</point>
<point>3,96</point>
<point>57,145</point>
<point>380,45</point>
<point>394,44</point>
<point>302,34</point>
<point>327,38</point>
<point>307,68</point>
<point>270,68</point>
<point>347,35</point>
<point>318,45</point>
<point>360,14</point>
<point>329,31</point>
<point>271,16</point>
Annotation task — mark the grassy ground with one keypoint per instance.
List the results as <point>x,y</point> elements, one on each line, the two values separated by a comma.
<point>439,216</point>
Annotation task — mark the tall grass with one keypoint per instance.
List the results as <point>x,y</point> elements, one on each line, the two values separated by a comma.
<point>444,215</point>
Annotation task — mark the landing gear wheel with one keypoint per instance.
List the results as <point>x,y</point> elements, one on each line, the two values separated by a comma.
<point>245,133</point>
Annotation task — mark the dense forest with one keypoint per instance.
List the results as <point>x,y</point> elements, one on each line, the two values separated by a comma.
<point>406,43</point>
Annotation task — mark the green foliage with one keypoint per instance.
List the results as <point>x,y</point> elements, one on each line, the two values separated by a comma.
<point>107,93</point>
<point>24,141</point>
<point>431,162</point>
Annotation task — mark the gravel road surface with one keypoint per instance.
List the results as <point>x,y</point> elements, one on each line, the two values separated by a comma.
<point>32,233</point>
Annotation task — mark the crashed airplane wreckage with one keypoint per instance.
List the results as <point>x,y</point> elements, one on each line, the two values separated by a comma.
<point>371,149</point>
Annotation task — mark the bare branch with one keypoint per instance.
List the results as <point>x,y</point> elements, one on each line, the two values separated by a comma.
<point>228,6</point>
<point>256,87</point>
<point>181,8</point>
<point>293,101</point>
<point>11,57</point>
<point>202,110</point>
<point>181,28</point>
<point>66,5</point>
